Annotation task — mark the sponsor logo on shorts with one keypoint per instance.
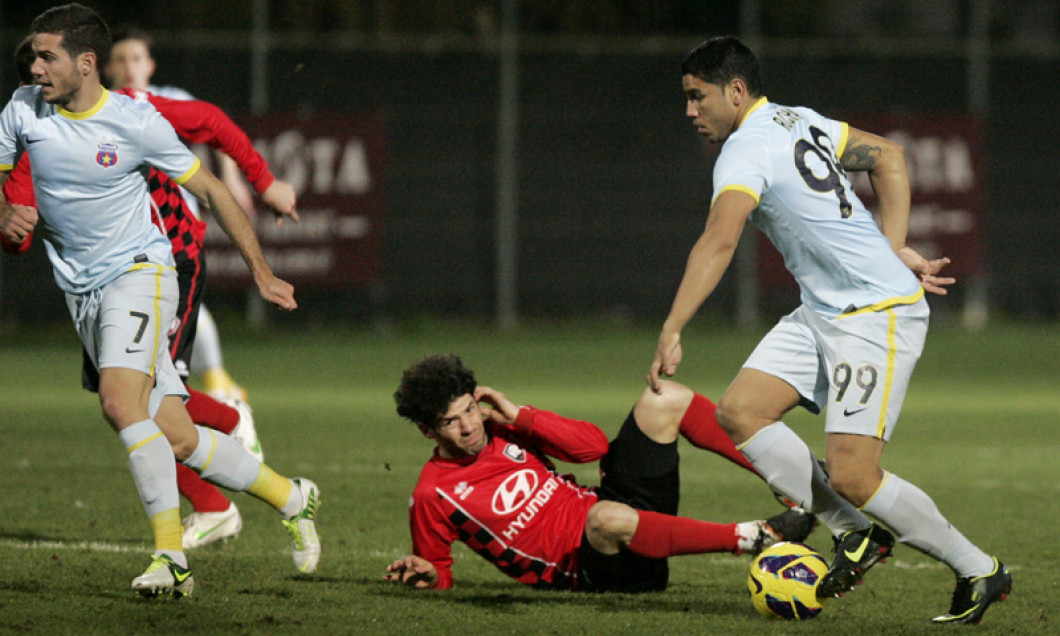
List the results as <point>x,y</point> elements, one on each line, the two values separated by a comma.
<point>848,412</point>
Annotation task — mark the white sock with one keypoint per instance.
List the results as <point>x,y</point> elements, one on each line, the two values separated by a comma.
<point>789,467</point>
<point>911,513</point>
<point>221,460</point>
<point>152,465</point>
<point>206,350</point>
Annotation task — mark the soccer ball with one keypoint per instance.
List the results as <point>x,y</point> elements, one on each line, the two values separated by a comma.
<point>783,581</point>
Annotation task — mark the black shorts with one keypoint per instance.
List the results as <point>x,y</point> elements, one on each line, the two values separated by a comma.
<point>191,274</point>
<point>643,474</point>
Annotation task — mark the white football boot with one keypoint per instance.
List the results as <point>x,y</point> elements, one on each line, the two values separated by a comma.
<point>244,432</point>
<point>164,576</point>
<point>305,544</point>
<point>203,528</point>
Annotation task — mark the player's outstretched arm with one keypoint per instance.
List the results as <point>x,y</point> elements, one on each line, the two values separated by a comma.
<point>707,262</point>
<point>234,222</point>
<point>413,571</point>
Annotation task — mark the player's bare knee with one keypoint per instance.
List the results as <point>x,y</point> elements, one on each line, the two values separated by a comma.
<point>733,417</point>
<point>183,448</point>
<point>611,521</point>
<point>665,408</point>
<point>116,410</point>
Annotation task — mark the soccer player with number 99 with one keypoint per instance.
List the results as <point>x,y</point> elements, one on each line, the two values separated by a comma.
<point>850,348</point>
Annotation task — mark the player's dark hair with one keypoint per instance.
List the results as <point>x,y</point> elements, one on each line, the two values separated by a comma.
<point>722,59</point>
<point>83,30</point>
<point>24,57</point>
<point>430,385</point>
<point>131,32</point>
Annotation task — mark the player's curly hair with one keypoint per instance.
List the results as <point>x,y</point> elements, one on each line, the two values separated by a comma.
<point>722,59</point>
<point>83,30</point>
<point>430,385</point>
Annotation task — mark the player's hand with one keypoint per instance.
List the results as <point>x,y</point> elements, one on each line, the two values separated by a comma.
<point>499,409</point>
<point>927,270</point>
<point>278,292</point>
<point>280,198</point>
<point>667,357</point>
<point>17,222</point>
<point>412,570</point>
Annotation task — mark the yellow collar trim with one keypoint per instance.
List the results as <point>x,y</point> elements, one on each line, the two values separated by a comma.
<point>760,102</point>
<point>88,113</point>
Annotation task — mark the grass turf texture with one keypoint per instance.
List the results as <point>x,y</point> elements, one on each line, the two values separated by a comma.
<point>979,433</point>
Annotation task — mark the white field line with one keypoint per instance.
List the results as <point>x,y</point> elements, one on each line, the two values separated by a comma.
<point>90,546</point>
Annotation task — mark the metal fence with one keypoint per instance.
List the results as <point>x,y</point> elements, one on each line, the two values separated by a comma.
<point>612,186</point>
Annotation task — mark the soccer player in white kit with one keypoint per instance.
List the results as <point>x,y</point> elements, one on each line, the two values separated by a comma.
<point>90,152</point>
<point>850,348</point>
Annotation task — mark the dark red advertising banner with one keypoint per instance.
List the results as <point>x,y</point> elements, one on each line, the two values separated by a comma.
<point>944,153</point>
<point>336,164</point>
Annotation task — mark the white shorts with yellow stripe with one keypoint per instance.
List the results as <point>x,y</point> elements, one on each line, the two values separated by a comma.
<point>855,366</point>
<point>126,324</point>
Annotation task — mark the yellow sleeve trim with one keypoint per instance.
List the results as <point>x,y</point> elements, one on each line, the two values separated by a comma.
<point>737,188</point>
<point>887,304</point>
<point>6,168</point>
<point>182,179</point>
<point>844,136</point>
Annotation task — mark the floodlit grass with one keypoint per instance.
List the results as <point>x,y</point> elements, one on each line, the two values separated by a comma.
<point>980,433</point>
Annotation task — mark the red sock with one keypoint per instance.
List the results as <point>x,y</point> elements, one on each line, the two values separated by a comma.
<point>700,426</point>
<point>207,411</point>
<point>203,496</point>
<point>659,536</point>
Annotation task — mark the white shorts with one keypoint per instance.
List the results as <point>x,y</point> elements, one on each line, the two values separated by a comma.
<point>857,365</point>
<point>126,322</point>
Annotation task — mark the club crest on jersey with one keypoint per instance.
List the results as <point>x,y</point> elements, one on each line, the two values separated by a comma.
<point>514,453</point>
<point>107,155</point>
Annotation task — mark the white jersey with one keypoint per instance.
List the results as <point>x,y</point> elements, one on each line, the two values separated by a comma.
<point>786,159</point>
<point>90,178</point>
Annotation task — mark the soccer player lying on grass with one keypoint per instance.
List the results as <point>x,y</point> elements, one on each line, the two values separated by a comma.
<point>491,484</point>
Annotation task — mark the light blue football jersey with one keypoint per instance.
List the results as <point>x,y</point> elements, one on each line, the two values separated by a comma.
<point>90,178</point>
<point>786,158</point>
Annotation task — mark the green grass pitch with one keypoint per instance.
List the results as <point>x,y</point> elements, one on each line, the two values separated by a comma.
<point>979,432</point>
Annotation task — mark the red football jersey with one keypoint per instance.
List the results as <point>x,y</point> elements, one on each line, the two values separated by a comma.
<point>508,503</point>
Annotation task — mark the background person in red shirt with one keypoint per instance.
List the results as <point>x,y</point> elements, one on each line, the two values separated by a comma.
<point>491,484</point>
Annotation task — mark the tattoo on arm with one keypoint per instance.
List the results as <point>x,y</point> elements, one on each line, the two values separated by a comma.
<point>860,156</point>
